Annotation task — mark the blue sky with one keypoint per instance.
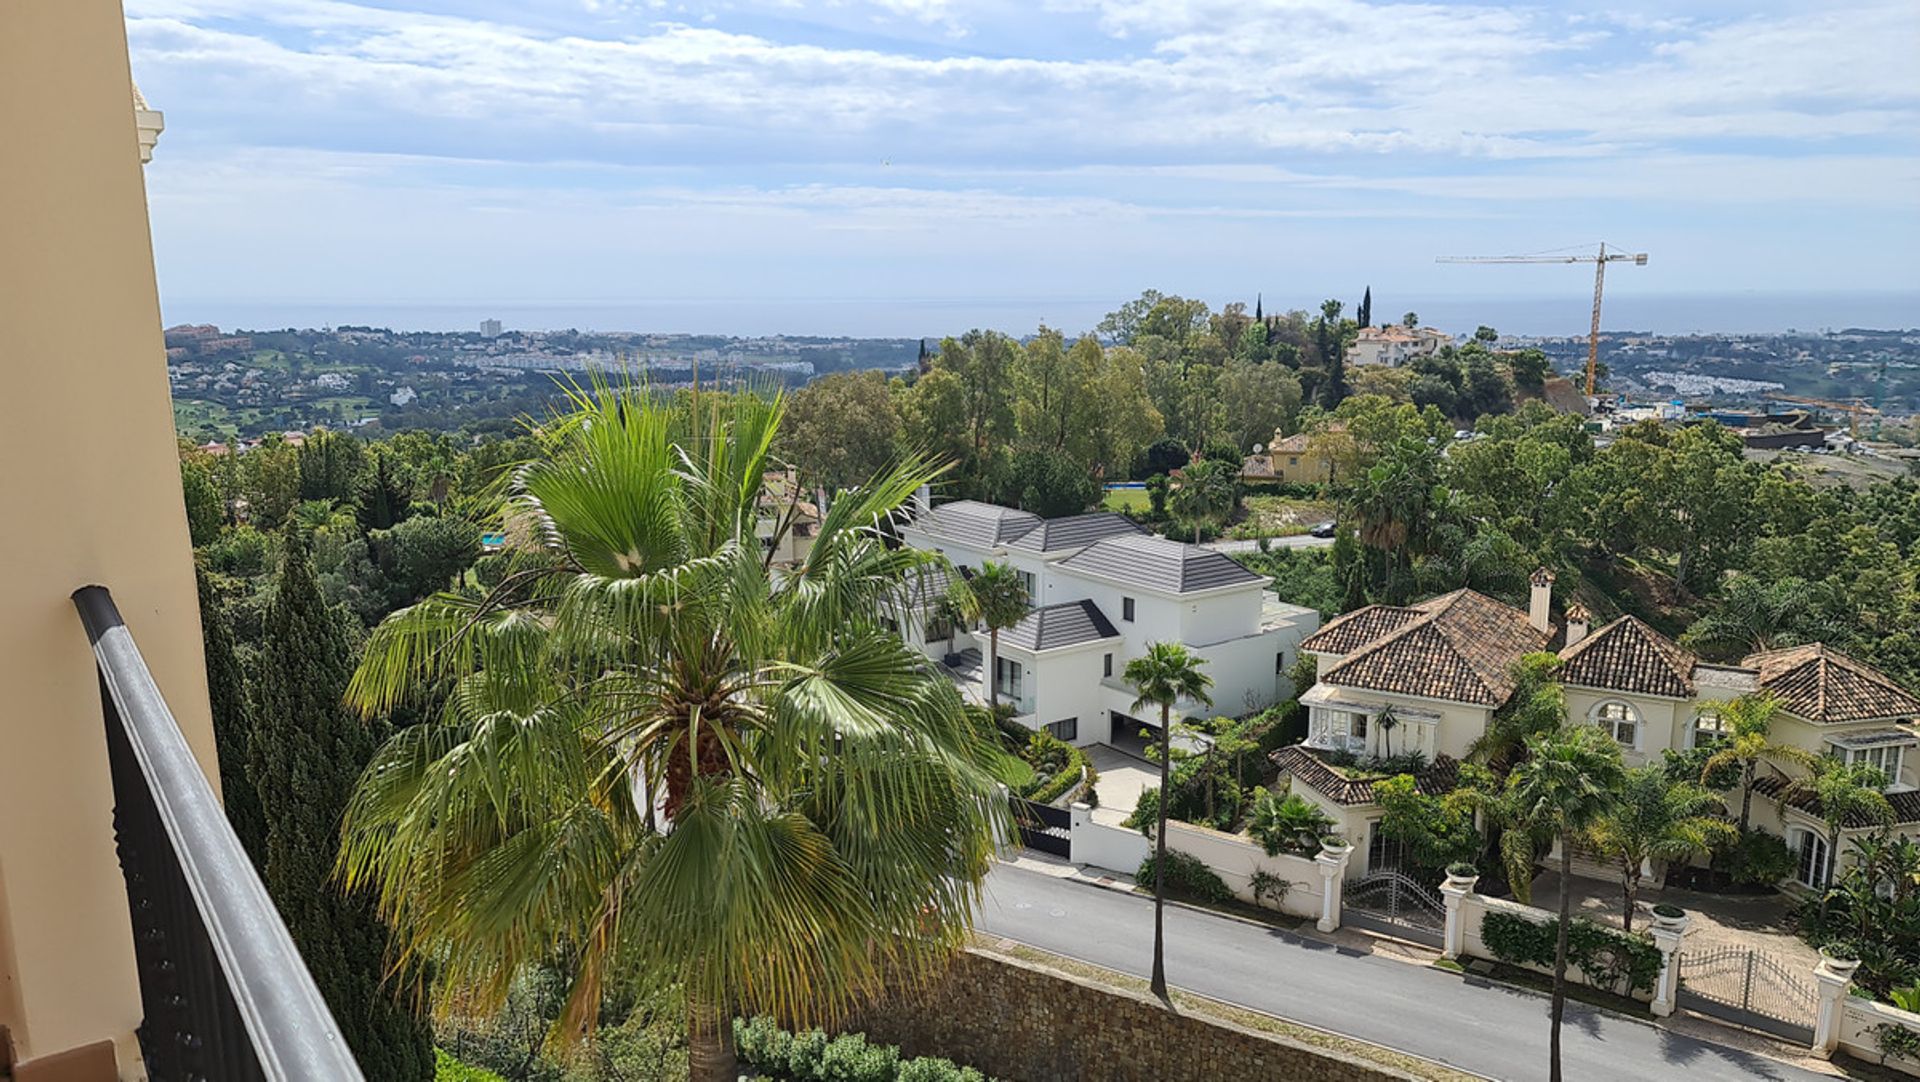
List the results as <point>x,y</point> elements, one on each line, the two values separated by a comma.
<point>870,157</point>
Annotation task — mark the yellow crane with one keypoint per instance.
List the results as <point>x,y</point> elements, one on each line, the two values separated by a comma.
<point>1600,261</point>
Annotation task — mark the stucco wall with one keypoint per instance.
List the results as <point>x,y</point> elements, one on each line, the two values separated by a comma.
<point>96,491</point>
<point>1859,1021</point>
<point>1235,860</point>
<point>1474,909</point>
<point>1106,844</point>
<point>1022,1022</point>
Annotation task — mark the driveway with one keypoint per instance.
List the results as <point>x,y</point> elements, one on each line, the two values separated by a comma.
<point>1122,777</point>
<point>1466,1022</point>
<point>1755,922</point>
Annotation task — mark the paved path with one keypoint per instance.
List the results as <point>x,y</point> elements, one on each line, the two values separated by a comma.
<point>1299,541</point>
<point>1470,1023</point>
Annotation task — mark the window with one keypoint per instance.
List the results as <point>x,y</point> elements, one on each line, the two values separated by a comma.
<point>939,629</point>
<point>1816,860</point>
<point>1620,720</point>
<point>1026,582</point>
<point>1279,663</point>
<point>1107,665</point>
<point>1293,460</point>
<point>1065,730</point>
<point>1709,728</point>
<point>1007,674</point>
<point>1126,609</point>
<point>1885,759</point>
<point>1357,725</point>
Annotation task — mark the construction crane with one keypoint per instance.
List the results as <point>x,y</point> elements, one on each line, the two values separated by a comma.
<point>1600,261</point>
<point>1852,409</point>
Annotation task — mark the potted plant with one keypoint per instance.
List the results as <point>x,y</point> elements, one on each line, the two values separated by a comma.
<point>1667,915</point>
<point>1462,873</point>
<point>1841,957</point>
<point>1334,844</point>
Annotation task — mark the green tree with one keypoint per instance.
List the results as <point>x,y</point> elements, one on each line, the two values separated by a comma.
<point>1208,492</point>
<point>271,480</point>
<point>697,770</point>
<point>1050,484</point>
<point>1846,793</point>
<point>841,429</point>
<point>998,600</point>
<point>206,512</point>
<point>933,409</point>
<point>426,553</point>
<point>1748,724</point>
<point>232,722</point>
<point>1161,677</point>
<point>1364,316</point>
<point>1755,614</point>
<point>1569,781</point>
<point>304,755</point>
<point>1120,418</point>
<point>385,495</point>
<point>1652,819</point>
<point>1259,400</point>
<point>331,464</point>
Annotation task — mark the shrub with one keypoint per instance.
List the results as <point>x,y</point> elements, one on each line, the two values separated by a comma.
<point>448,1069</point>
<point>1064,777</point>
<point>1267,885</point>
<point>849,1058</point>
<point>1606,957</point>
<point>761,1044</point>
<point>1898,1041</point>
<point>1090,792</point>
<point>935,1069</point>
<point>805,1054</point>
<point>1756,859</point>
<point>1462,869</point>
<point>1187,876</point>
<point>1292,825</point>
<point>1671,912</point>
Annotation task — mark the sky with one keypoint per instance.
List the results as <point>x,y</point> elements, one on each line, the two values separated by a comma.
<point>919,166</point>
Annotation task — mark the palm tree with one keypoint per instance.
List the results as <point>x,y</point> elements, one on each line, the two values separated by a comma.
<point>664,761</point>
<point>1654,819</point>
<point>1162,676</point>
<point>1764,614</point>
<point>1207,493</point>
<point>1569,781</point>
<point>1537,706</point>
<point>1846,793</point>
<point>999,600</point>
<point>1747,721</point>
<point>1387,723</point>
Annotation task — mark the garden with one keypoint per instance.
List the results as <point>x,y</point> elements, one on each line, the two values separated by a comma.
<point>775,1055</point>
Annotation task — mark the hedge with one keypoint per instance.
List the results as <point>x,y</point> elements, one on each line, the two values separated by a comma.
<point>448,1069</point>
<point>1188,876</point>
<point>814,1057</point>
<point>1606,957</point>
<point>1066,778</point>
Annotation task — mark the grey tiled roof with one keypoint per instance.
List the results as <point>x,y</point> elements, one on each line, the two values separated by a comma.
<point>1156,563</point>
<point>1627,655</point>
<point>1075,531</point>
<point>927,586</point>
<point>1070,623</point>
<point>983,525</point>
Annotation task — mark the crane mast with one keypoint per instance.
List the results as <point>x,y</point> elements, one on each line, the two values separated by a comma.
<point>1599,261</point>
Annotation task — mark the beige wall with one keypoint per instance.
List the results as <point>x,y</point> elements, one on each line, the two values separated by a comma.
<point>95,493</point>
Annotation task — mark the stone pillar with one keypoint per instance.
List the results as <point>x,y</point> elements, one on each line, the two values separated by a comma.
<point>1666,987</point>
<point>1834,981</point>
<point>1454,893</point>
<point>1333,874</point>
<point>1080,815</point>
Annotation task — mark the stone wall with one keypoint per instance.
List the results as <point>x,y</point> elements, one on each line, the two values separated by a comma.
<point>1025,1023</point>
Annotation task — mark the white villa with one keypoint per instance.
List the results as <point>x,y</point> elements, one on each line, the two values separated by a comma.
<point>1395,345</point>
<point>1102,588</point>
<point>1439,669</point>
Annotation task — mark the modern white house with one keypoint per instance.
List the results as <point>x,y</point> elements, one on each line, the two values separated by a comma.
<point>1428,678</point>
<point>1102,589</point>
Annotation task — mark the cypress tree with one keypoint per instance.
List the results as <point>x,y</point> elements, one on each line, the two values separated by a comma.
<point>1257,316</point>
<point>305,756</point>
<point>1364,316</point>
<point>232,723</point>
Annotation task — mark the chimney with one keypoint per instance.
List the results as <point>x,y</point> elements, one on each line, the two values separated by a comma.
<point>1578,620</point>
<point>922,501</point>
<point>1540,601</point>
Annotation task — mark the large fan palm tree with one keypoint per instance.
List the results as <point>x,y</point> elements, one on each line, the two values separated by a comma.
<point>998,599</point>
<point>663,759</point>
<point>1570,779</point>
<point>1656,819</point>
<point>1165,674</point>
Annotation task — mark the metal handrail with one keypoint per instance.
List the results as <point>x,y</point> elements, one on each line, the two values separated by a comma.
<point>292,1031</point>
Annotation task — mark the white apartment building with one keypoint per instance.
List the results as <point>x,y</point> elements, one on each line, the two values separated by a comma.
<point>1102,589</point>
<point>1395,345</point>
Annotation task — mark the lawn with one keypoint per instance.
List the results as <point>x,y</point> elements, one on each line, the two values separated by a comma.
<point>1126,499</point>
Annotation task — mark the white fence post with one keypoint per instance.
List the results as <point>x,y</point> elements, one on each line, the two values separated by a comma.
<point>1666,987</point>
<point>1333,873</point>
<point>1453,892</point>
<point>1079,815</point>
<point>1834,980</point>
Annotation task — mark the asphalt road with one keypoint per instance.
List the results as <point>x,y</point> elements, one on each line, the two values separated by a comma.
<point>1473,1024</point>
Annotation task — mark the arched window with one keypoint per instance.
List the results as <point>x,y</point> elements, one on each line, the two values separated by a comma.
<point>1620,720</point>
<point>1815,865</point>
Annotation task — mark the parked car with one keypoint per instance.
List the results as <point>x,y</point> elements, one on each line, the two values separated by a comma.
<point>1322,529</point>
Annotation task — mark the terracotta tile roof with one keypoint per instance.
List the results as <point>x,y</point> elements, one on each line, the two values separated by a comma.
<point>1906,806</point>
<point>1462,649</point>
<point>1821,684</point>
<point>1296,444</point>
<point>1257,466</point>
<point>1305,765</point>
<point>1348,632</point>
<point>1627,655</point>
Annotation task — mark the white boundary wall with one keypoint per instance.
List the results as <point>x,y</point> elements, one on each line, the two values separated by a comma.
<point>1858,1023</point>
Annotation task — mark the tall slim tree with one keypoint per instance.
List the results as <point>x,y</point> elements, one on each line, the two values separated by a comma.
<point>1570,779</point>
<point>999,601</point>
<point>306,753</point>
<point>232,722</point>
<point>1162,676</point>
<point>1364,317</point>
<point>1748,724</point>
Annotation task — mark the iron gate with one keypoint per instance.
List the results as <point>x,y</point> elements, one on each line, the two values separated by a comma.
<point>1046,829</point>
<point>1749,988</point>
<point>1394,903</point>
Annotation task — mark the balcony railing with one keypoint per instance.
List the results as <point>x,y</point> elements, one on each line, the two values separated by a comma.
<point>224,991</point>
